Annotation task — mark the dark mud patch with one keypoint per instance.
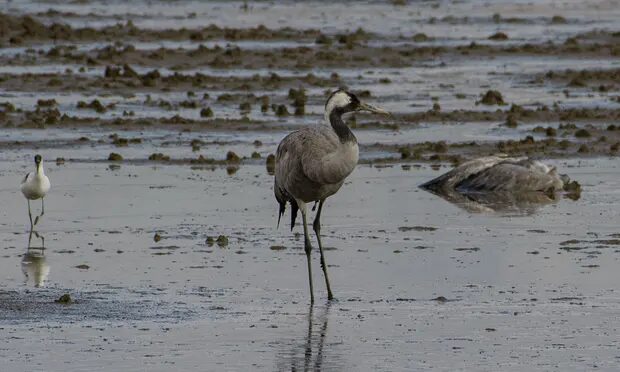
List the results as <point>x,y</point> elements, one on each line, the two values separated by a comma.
<point>571,142</point>
<point>22,29</point>
<point>469,249</point>
<point>118,80</point>
<point>602,80</point>
<point>350,51</point>
<point>26,306</point>
<point>416,228</point>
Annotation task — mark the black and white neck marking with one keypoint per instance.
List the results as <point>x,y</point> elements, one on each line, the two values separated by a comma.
<point>338,104</point>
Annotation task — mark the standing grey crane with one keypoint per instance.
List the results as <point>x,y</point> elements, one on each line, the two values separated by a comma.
<point>312,164</point>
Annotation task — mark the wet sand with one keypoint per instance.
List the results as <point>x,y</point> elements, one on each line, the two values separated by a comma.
<point>156,124</point>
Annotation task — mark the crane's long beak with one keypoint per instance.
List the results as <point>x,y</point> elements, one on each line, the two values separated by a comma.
<point>370,108</point>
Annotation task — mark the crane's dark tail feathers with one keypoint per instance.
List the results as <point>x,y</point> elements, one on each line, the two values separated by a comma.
<point>281,212</point>
<point>294,209</point>
<point>283,197</point>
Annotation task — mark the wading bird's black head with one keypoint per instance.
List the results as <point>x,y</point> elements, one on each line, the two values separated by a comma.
<point>341,102</point>
<point>37,159</point>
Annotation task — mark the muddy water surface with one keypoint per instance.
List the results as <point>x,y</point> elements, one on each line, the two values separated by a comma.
<point>171,256</point>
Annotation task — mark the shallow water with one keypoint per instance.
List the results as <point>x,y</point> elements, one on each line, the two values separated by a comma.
<point>513,284</point>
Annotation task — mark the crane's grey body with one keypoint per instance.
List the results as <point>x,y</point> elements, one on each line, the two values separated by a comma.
<point>498,173</point>
<point>312,165</point>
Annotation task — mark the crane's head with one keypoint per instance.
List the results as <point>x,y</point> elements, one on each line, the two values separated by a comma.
<point>342,102</point>
<point>37,159</point>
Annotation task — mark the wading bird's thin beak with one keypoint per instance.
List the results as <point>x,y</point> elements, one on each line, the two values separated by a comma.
<point>374,109</point>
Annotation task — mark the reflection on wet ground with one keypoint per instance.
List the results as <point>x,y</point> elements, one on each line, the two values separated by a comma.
<point>500,202</point>
<point>35,267</point>
<point>310,351</point>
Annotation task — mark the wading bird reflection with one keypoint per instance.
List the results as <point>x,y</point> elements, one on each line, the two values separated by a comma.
<point>34,263</point>
<point>313,163</point>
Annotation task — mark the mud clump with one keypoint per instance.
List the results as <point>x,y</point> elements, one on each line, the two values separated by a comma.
<point>577,82</point>
<point>280,110</point>
<point>264,104</point>
<point>323,39</point>
<point>245,107</point>
<point>511,121</point>
<point>206,112</point>
<point>232,157</point>
<point>64,299</point>
<point>499,36</point>
<point>492,97</point>
<point>558,20</point>
<point>222,241</point>
<point>115,157</point>
<point>420,37</point>
<point>46,102</point>
<point>92,105</point>
<point>232,169</point>
<point>583,133</point>
<point>158,156</point>
<point>299,98</point>
<point>157,237</point>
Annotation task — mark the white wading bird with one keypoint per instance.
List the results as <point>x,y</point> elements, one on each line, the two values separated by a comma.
<point>312,164</point>
<point>34,186</point>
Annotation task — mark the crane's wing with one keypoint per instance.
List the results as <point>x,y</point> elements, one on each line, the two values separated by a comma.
<point>516,177</point>
<point>324,159</point>
<point>452,179</point>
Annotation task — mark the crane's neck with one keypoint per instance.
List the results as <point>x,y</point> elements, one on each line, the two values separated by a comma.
<point>334,118</point>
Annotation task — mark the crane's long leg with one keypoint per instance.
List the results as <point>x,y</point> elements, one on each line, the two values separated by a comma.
<point>317,231</point>
<point>307,245</point>
<point>30,214</point>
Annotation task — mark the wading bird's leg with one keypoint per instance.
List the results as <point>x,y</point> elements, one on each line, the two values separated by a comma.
<point>307,246</point>
<point>30,238</point>
<point>30,214</point>
<point>317,231</point>
<point>42,239</point>
<point>36,220</point>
